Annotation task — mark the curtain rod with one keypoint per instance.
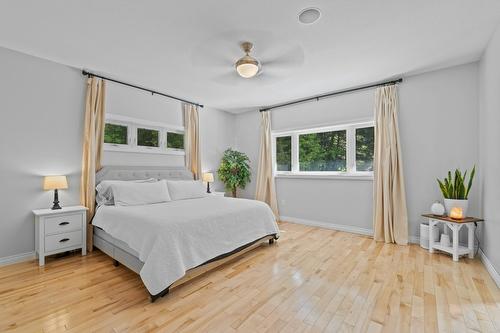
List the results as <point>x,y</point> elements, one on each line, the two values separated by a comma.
<point>339,92</point>
<point>84,72</point>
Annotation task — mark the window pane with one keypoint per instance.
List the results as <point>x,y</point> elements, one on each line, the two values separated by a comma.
<point>323,151</point>
<point>115,134</point>
<point>147,137</point>
<point>364,148</point>
<point>175,140</point>
<point>284,153</point>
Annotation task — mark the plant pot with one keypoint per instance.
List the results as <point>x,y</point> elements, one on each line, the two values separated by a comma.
<point>451,203</point>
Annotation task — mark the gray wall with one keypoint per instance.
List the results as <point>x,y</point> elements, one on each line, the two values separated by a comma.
<point>489,129</point>
<point>216,130</point>
<point>40,134</point>
<point>42,104</point>
<point>337,201</point>
<point>439,131</point>
<point>130,102</point>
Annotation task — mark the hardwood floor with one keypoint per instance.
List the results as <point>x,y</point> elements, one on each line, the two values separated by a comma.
<point>311,280</point>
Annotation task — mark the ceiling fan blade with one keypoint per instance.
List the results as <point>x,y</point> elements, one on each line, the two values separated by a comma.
<point>291,58</point>
<point>228,79</point>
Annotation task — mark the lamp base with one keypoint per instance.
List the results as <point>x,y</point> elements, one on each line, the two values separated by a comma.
<point>56,201</point>
<point>208,188</point>
<point>56,206</point>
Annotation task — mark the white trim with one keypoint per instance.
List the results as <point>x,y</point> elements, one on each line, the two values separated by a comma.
<point>350,131</point>
<point>167,151</point>
<point>133,124</point>
<point>327,225</point>
<point>325,175</point>
<point>16,258</point>
<point>489,267</point>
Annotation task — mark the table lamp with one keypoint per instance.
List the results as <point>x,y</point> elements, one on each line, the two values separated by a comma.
<point>55,183</point>
<point>209,178</point>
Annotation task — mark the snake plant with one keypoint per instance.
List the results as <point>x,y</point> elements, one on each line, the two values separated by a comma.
<point>454,187</point>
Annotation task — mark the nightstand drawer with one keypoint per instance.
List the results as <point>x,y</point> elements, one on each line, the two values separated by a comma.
<point>61,241</point>
<point>64,223</point>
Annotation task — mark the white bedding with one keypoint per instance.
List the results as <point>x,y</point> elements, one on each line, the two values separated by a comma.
<point>175,236</point>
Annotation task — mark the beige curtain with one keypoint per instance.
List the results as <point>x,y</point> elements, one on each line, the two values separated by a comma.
<point>192,144</point>
<point>390,220</point>
<point>93,137</point>
<point>265,181</point>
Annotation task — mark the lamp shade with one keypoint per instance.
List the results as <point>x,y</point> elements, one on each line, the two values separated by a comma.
<point>55,183</point>
<point>208,177</point>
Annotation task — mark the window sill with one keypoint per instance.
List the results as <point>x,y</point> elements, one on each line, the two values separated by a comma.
<point>143,150</point>
<point>328,176</point>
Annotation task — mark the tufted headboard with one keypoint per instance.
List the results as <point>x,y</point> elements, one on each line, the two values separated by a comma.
<point>117,172</point>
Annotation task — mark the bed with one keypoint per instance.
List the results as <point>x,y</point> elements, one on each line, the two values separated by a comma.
<point>170,243</point>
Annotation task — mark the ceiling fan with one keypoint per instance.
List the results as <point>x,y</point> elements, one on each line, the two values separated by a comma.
<point>270,60</point>
<point>247,66</point>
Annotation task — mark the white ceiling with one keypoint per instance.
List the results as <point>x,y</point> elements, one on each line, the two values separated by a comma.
<point>187,48</point>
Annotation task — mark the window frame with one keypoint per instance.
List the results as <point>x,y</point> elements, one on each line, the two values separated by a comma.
<point>150,128</point>
<point>351,172</point>
<point>173,150</point>
<point>118,145</point>
<point>132,125</point>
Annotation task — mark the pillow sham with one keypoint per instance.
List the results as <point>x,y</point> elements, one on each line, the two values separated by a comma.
<point>185,189</point>
<point>104,195</point>
<point>133,194</point>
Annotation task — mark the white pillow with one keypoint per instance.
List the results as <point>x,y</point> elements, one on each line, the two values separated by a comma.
<point>186,189</point>
<point>132,194</point>
<point>104,194</point>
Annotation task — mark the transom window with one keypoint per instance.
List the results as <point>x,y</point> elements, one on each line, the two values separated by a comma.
<point>343,150</point>
<point>135,135</point>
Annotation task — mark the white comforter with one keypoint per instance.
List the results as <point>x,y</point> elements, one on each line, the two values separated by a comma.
<point>176,236</point>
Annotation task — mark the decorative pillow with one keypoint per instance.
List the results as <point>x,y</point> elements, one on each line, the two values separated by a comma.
<point>104,194</point>
<point>132,194</point>
<point>186,189</point>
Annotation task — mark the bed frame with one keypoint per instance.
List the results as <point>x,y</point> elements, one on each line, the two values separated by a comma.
<point>122,253</point>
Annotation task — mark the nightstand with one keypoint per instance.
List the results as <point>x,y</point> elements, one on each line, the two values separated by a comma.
<point>60,230</point>
<point>455,249</point>
<point>218,194</point>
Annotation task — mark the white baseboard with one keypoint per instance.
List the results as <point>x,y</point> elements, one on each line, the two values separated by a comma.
<point>17,258</point>
<point>327,225</point>
<point>489,267</point>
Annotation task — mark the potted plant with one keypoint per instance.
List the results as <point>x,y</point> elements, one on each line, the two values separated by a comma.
<point>456,192</point>
<point>234,170</point>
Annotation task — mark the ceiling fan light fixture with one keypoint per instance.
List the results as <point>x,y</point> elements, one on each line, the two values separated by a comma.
<point>247,66</point>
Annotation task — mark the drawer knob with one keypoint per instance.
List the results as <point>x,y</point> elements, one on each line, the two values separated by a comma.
<point>63,223</point>
<point>64,240</point>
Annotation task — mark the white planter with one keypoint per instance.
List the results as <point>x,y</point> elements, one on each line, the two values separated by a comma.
<point>450,203</point>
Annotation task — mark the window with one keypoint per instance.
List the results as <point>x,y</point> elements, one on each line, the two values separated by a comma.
<point>341,150</point>
<point>284,153</point>
<point>175,140</point>
<point>364,148</point>
<point>127,134</point>
<point>115,134</point>
<point>147,137</point>
<point>325,151</point>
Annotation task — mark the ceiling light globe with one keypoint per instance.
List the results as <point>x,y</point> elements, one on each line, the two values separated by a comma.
<point>247,67</point>
<point>247,70</point>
